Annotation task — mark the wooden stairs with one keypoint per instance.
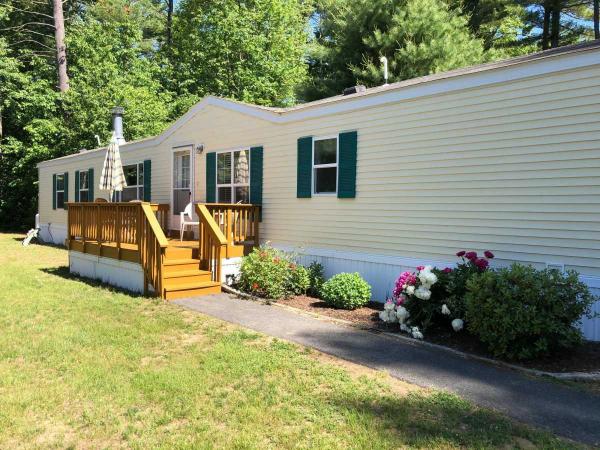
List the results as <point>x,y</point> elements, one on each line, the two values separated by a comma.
<point>182,275</point>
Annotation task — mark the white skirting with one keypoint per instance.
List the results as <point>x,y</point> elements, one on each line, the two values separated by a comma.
<point>381,271</point>
<point>53,233</point>
<point>123,274</point>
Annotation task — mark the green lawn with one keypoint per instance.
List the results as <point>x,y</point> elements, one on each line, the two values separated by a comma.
<point>85,366</point>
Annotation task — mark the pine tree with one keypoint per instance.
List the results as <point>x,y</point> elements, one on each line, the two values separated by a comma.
<point>419,37</point>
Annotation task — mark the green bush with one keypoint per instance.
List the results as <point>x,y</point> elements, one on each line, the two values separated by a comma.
<point>316,279</point>
<point>267,272</point>
<point>346,291</point>
<point>299,279</point>
<point>523,313</point>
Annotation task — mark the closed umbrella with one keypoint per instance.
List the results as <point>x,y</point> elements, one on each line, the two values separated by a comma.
<point>112,178</point>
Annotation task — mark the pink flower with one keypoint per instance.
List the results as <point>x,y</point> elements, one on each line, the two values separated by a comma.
<point>471,256</point>
<point>401,298</point>
<point>447,270</point>
<point>481,263</point>
<point>405,279</point>
<point>488,254</point>
<point>419,268</point>
<point>461,253</point>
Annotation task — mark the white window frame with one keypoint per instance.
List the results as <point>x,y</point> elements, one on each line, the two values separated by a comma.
<point>232,185</point>
<point>86,189</point>
<point>119,195</point>
<point>324,166</point>
<point>56,191</point>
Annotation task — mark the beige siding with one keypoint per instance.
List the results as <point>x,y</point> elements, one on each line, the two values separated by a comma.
<point>513,167</point>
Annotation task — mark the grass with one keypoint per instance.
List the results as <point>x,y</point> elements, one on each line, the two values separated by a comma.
<point>86,366</point>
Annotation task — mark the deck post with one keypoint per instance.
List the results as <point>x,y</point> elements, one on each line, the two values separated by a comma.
<point>118,231</point>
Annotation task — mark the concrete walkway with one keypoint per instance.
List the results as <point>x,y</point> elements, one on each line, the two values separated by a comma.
<point>565,411</point>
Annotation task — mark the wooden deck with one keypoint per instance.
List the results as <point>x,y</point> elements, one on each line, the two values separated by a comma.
<point>135,232</point>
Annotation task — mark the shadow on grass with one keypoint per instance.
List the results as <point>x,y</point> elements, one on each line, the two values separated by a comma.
<point>437,419</point>
<point>63,272</point>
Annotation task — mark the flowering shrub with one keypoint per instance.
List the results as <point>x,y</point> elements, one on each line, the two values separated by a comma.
<point>433,297</point>
<point>454,283</point>
<point>271,273</point>
<point>521,313</point>
<point>316,278</point>
<point>346,291</point>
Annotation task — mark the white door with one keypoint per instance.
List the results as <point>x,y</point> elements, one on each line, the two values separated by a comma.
<point>182,182</point>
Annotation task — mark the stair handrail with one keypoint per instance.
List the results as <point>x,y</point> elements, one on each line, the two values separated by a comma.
<point>212,243</point>
<point>152,244</point>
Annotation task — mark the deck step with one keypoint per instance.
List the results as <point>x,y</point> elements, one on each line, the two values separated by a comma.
<point>175,252</point>
<point>182,277</point>
<point>173,291</point>
<point>178,265</point>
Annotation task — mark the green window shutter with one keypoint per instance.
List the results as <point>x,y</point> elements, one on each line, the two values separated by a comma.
<point>77,185</point>
<point>256,175</point>
<point>90,185</point>
<point>304,168</point>
<point>211,177</point>
<point>147,180</point>
<point>66,189</point>
<point>347,165</point>
<point>54,191</point>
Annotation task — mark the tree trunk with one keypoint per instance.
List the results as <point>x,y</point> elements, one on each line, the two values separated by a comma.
<point>546,28</point>
<point>596,19</point>
<point>555,29</point>
<point>169,22</point>
<point>61,50</point>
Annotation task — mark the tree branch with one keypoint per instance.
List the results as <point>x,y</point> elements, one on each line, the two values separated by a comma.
<point>18,27</point>
<point>29,40</point>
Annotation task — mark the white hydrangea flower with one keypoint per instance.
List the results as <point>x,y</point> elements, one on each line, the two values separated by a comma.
<point>410,290</point>
<point>445,310</point>
<point>416,333</point>
<point>402,314</point>
<point>389,306</point>
<point>423,293</point>
<point>457,324</point>
<point>405,327</point>
<point>388,316</point>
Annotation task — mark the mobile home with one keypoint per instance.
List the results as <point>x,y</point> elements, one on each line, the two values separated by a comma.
<point>503,156</point>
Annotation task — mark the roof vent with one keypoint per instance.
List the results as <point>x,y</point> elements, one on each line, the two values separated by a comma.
<point>354,90</point>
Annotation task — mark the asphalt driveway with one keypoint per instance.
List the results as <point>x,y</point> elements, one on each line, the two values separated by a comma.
<point>565,411</point>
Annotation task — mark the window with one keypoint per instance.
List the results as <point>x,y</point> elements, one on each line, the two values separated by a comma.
<point>134,178</point>
<point>325,165</point>
<point>233,177</point>
<point>60,191</point>
<point>84,186</point>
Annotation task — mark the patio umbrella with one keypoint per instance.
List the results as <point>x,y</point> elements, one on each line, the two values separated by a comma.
<point>112,178</point>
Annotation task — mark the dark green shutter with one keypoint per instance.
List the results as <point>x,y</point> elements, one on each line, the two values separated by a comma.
<point>91,185</point>
<point>211,177</point>
<point>54,191</point>
<point>66,189</point>
<point>147,180</point>
<point>347,165</point>
<point>304,168</point>
<point>256,175</point>
<point>77,185</point>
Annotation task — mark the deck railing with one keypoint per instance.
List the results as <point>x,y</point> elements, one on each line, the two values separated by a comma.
<point>212,243</point>
<point>238,222</point>
<point>121,227</point>
<point>152,245</point>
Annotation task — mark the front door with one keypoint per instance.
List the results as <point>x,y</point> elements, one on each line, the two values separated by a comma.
<point>182,182</point>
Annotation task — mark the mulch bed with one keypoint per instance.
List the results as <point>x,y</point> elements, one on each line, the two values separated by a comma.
<point>586,358</point>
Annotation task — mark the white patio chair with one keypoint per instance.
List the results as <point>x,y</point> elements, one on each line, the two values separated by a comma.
<point>184,221</point>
